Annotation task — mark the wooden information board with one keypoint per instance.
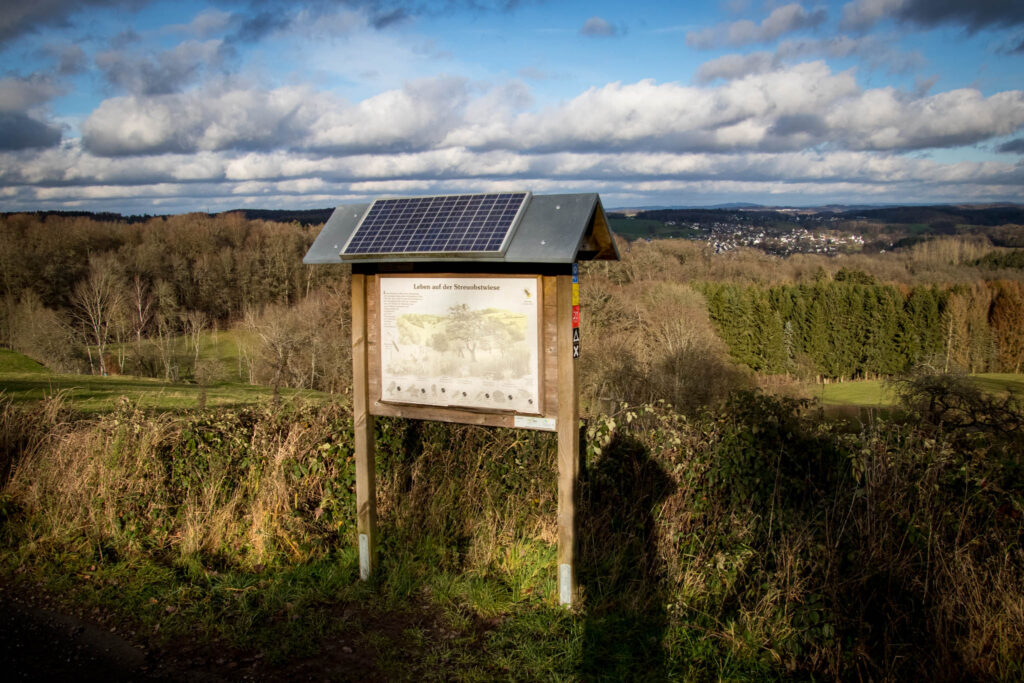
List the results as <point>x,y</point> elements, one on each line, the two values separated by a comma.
<point>483,349</point>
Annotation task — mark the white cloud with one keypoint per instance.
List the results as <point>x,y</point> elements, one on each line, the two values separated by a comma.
<point>874,51</point>
<point>783,127</point>
<point>198,121</point>
<point>596,26</point>
<point>782,20</point>
<point>68,167</point>
<point>650,116</point>
<point>777,108</point>
<point>884,119</point>
<point>861,15</point>
<point>162,72</point>
<point>415,117</point>
<point>23,123</point>
<point>206,24</point>
<point>728,67</point>
<point>973,16</point>
<point>23,94</point>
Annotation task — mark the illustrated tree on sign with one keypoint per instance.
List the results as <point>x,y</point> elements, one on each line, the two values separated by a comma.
<point>465,328</point>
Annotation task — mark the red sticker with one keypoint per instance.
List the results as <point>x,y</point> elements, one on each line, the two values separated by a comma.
<point>576,316</point>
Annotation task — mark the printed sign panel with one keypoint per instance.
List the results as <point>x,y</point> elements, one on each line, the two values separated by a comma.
<point>460,342</point>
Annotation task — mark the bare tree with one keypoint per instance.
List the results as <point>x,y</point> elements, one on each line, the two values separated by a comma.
<point>40,332</point>
<point>165,346</point>
<point>194,323</point>
<point>141,305</point>
<point>96,301</point>
<point>283,335</point>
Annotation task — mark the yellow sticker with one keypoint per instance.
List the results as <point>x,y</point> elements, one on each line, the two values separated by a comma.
<point>575,295</point>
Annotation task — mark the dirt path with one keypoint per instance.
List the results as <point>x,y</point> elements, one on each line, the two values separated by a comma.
<point>37,643</point>
<point>41,641</point>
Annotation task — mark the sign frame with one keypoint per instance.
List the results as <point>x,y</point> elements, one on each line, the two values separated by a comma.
<point>429,283</point>
<point>547,348</point>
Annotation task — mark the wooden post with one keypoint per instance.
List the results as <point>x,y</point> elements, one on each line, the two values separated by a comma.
<point>568,444</point>
<point>366,478</point>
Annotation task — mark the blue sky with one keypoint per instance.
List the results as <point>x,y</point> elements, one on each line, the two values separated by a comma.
<point>143,106</point>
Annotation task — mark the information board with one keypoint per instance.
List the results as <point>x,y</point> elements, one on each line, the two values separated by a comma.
<point>464,342</point>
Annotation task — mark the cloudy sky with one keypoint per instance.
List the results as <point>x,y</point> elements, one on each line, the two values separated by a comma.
<point>148,106</point>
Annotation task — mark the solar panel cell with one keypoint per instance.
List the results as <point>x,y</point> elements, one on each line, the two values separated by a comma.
<point>456,225</point>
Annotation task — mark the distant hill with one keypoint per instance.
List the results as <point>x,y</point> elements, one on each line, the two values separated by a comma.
<point>938,217</point>
<point>678,207</point>
<point>104,216</point>
<point>300,216</point>
<point>931,215</point>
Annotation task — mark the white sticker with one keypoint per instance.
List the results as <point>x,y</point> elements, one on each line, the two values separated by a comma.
<point>364,557</point>
<point>546,424</point>
<point>565,584</point>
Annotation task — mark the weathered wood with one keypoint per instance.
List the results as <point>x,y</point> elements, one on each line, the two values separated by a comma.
<point>568,444</point>
<point>546,351</point>
<point>373,359</point>
<point>455,415</point>
<point>365,452</point>
<point>549,346</point>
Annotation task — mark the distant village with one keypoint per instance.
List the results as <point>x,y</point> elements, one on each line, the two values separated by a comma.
<point>780,239</point>
<point>725,237</point>
<point>828,230</point>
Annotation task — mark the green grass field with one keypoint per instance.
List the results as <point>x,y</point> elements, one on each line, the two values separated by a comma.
<point>875,393</point>
<point>1001,383</point>
<point>22,379</point>
<point>863,393</point>
<point>14,362</point>
<point>223,346</point>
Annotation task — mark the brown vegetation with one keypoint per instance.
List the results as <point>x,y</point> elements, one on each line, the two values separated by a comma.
<point>755,541</point>
<point>72,287</point>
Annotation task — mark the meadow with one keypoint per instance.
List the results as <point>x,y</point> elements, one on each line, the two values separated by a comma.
<point>24,380</point>
<point>880,393</point>
<point>729,527</point>
<point>710,546</point>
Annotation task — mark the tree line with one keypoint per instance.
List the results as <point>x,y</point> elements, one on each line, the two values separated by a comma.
<point>86,295</point>
<point>81,294</point>
<point>853,327</point>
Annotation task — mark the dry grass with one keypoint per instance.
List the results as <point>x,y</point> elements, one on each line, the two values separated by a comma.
<point>756,535</point>
<point>150,484</point>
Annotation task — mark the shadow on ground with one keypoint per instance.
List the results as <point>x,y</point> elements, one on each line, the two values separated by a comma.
<point>620,572</point>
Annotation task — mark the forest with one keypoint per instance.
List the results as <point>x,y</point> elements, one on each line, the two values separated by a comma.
<point>729,526</point>
<point>111,297</point>
<point>853,327</point>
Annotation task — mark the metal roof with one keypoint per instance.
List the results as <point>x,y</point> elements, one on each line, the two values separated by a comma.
<point>555,228</point>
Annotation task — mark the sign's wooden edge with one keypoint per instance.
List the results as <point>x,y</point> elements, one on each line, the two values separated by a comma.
<point>547,329</point>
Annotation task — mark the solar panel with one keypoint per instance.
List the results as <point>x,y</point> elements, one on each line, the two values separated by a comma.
<point>449,225</point>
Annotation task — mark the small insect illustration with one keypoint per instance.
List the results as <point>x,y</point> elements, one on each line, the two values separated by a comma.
<point>528,293</point>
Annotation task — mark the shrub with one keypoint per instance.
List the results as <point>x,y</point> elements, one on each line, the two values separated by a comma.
<point>753,540</point>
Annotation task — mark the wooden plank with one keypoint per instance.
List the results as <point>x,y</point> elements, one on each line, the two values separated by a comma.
<point>568,444</point>
<point>443,414</point>
<point>366,479</point>
<point>373,359</point>
<point>549,315</point>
